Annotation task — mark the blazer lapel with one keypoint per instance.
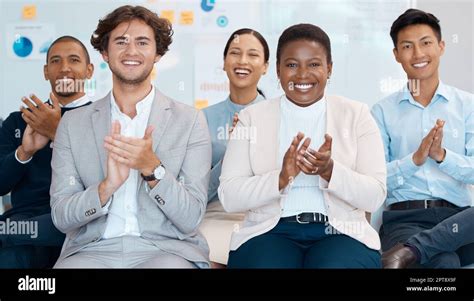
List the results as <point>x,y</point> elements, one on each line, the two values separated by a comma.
<point>101,127</point>
<point>336,125</point>
<point>274,135</point>
<point>330,116</point>
<point>160,115</point>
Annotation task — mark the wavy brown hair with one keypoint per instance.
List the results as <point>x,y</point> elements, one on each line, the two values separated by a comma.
<point>161,27</point>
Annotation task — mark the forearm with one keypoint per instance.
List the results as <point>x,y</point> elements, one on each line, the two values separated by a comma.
<point>71,211</point>
<point>72,203</point>
<point>240,194</point>
<point>105,192</point>
<point>11,172</point>
<point>366,192</point>
<point>400,171</point>
<point>458,166</point>
<point>184,204</point>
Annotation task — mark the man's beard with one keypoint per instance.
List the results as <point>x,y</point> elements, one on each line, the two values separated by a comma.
<point>66,94</point>
<point>134,81</point>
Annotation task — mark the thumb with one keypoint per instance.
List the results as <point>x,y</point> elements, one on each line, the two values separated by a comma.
<point>28,130</point>
<point>148,132</point>
<point>327,145</point>
<point>55,101</point>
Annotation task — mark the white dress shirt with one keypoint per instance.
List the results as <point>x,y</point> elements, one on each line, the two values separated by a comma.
<point>303,195</point>
<point>122,211</point>
<point>76,103</point>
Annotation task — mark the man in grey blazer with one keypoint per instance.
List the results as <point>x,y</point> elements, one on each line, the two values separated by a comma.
<point>130,171</point>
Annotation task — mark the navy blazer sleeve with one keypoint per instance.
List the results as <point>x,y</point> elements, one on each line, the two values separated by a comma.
<point>11,171</point>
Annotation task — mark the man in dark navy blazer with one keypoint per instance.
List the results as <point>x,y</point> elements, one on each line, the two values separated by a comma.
<point>28,238</point>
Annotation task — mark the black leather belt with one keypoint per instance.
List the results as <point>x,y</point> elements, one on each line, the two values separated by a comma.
<point>421,204</point>
<point>306,218</point>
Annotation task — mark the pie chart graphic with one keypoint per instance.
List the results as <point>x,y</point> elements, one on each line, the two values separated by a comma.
<point>207,5</point>
<point>22,46</point>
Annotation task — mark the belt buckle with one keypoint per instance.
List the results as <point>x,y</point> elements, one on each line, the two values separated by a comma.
<point>298,220</point>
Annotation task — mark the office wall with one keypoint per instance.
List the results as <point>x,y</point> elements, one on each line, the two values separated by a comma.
<point>456,19</point>
<point>191,72</point>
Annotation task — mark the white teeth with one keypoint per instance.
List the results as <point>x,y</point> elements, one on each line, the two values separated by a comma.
<point>131,63</point>
<point>242,71</point>
<point>420,65</point>
<point>303,86</point>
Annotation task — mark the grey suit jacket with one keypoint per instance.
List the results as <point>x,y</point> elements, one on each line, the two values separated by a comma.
<point>169,214</point>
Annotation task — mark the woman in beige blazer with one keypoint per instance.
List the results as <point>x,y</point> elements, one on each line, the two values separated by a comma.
<point>305,168</point>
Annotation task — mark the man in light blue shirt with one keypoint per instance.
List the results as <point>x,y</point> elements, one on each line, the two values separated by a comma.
<point>428,133</point>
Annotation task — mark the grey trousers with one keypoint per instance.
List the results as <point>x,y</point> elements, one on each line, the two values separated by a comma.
<point>123,252</point>
<point>450,235</point>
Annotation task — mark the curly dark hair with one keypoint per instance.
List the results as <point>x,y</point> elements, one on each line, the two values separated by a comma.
<point>161,27</point>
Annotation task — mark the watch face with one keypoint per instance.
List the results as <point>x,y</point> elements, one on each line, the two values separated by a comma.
<point>159,172</point>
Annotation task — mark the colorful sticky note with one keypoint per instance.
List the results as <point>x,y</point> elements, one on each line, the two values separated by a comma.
<point>168,14</point>
<point>186,17</point>
<point>201,103</point>
<point>29,12</point>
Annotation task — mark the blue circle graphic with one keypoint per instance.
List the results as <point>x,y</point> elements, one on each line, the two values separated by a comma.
<point>208,5</point>
<point>222,21</point>
<point>22,46</point>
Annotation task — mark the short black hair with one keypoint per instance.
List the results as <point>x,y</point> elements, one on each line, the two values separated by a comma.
<point>413,17</point>
<point>69,38</point>
<point>308,32</point>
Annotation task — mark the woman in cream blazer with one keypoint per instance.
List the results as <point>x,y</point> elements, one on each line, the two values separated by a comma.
<point>305,199</point>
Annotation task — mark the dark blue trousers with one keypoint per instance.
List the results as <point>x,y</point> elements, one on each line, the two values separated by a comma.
<point>444,236</point>
<point>293,245</point>
<point>454,234</point>
<point>30,250</point>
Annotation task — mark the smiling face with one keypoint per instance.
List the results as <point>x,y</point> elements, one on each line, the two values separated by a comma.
<point>419,51</point>
<point>303,71</point>
<point>131,52</point>
<point>244,62</point>
<point>67,69</point>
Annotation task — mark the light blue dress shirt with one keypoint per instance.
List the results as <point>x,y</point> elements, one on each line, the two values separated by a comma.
<point>219,119</point>
<point>403,123</point>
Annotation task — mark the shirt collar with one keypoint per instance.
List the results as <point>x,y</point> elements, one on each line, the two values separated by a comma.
<point>235,107</point>
<point>76,103</point>
<point>441,90</point>
<point>142,105</point>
